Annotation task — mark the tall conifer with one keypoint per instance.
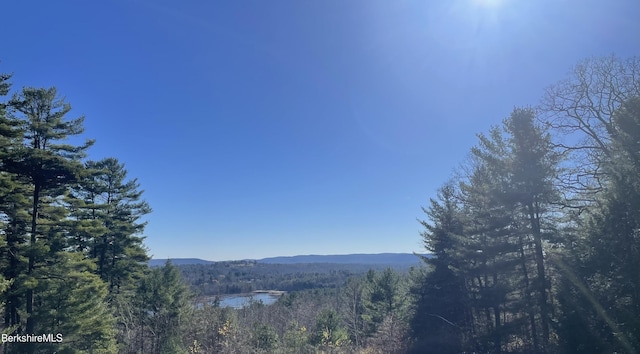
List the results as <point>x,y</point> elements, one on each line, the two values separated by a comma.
<point>108,211</point>
<point>46,165</point>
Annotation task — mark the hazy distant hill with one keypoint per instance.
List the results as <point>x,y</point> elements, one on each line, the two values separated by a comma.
<point>360,258</point>
<point>178,261</point>
<point>382,258</point>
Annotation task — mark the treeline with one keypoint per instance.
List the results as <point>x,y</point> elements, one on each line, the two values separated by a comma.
<point>72,257</point>
<point>536,246</point>
<point>369,313</point>
<point>236,277</point>
<point>537,241</point>
<point>73,261</point>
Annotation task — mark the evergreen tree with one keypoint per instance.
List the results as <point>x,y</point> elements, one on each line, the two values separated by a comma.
<point>264,338</point>
<point>58,216</point>
<point>493,244</point>
<point>14,219</point>
<point>440,318</point>
<point>533,166</point>
<point>107,212</point>
<point>489,256</point>
<point>164,309</point>
<point>383,296</point>
<point>45,166</point>
<point>329,332</point>
<point>72,302</point>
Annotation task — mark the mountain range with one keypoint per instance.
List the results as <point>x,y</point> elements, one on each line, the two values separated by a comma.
<point>357,258</point>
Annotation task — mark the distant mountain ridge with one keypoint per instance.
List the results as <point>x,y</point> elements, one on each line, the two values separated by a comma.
<point>178,261</point>
<point>356,258</point>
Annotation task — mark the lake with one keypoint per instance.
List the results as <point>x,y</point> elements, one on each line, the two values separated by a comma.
<point>241,300</point>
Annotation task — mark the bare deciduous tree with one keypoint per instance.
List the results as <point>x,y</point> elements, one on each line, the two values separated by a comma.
<point>579,110</point>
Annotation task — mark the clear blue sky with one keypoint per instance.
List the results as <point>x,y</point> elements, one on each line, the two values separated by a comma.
<point>266,128</point>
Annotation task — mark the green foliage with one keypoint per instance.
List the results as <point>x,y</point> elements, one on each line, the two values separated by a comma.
<point>531,252</point>
<point>42,167</point>
<point>264,338</point>
<point>73,302</point>
<point>383,296</point>
<point>14,221</point>
<point>295,339</point>
<point>546,250</point>
<point>234,277</point>
<point>52,286</point>
<point>106,211</point>
<point>165,307</point>
<point>441,306</point>
<point>329,331</point>
<point>600,298</point>
<point>488,281</point>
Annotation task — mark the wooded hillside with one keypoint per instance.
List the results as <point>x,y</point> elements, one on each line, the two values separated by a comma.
<point>535,243</point>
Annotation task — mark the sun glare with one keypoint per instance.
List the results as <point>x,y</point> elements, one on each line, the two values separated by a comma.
<point>491,11</point>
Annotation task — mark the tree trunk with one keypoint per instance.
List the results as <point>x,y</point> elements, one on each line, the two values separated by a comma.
<point>532,316</point>
<point>534,218</point>
<point>32,254</point>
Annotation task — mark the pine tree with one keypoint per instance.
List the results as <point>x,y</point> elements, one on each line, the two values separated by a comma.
<point>45,167</point>
<point>107,213</point>
<point>72,302</point>
<point>164,308</point>
<point>383,295</point>
<point>533,166</point>
<point>13,221</point>
<point>440,318</point>
<point>489,255</point>
<point>507,205</point>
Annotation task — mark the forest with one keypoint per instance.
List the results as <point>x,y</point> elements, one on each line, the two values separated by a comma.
<point>237,277</point>
<point>535,245</point>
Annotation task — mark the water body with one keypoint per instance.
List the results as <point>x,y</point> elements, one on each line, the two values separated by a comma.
<point>241,300</point>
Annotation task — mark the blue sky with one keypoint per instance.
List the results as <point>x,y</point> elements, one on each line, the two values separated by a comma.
<point>267,128</point>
